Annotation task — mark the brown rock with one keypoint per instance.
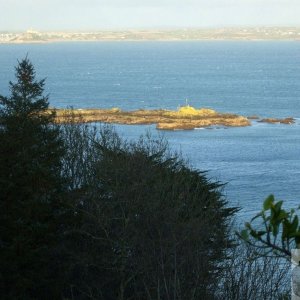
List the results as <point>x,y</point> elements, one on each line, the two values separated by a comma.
<point>274,120</point>
<point>186,118</point>
<point>254,117</point>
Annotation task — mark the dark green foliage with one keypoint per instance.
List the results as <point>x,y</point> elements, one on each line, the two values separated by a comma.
<point>152,227</point>
<point>30,184</point>
<point>86,215</point>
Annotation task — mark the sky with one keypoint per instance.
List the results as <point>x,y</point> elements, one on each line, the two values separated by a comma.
<point>148,14</point>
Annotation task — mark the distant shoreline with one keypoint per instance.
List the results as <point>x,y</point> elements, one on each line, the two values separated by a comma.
<point>220,34</point>
<point>141,41</point>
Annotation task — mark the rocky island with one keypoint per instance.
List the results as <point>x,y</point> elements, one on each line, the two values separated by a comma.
<point>184,118</point>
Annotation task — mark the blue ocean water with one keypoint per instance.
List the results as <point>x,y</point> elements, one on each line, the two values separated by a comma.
<point>247,78</point>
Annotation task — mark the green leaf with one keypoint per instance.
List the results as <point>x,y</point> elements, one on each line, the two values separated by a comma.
<point>247,225</point>
<point>275,230</point>
<point>244,234</point>
<point>283,215</point>
<point>261,233</point>
<point>268,202</point>
<point>285,229</point>
<point>295,234</point>
<point>295,223</point>
<point>254,233</point>
<point>278,206</point>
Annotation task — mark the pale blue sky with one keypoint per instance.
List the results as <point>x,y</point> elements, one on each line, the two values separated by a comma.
<point>118,14</point>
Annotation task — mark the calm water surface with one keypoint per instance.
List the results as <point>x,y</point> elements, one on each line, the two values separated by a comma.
<point>261,78</point>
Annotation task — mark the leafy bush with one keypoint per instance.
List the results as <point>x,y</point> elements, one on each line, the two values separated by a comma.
<point>152,228</point>
<point>279,231</point>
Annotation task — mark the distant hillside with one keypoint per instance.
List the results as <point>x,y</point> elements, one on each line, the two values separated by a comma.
<point>264,33</point>
<point>30,36</point>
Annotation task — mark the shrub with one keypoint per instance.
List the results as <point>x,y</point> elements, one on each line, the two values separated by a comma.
<point>152,227</point>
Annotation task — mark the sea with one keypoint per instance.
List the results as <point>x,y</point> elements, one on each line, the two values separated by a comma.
<point>244,77</point>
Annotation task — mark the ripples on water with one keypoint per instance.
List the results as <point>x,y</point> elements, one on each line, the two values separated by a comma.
<point>247,78</point>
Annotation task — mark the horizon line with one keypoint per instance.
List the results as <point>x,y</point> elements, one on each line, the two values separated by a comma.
<point>165,28</point>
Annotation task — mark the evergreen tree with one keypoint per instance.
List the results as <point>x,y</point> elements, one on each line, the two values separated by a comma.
<point>30,185</point>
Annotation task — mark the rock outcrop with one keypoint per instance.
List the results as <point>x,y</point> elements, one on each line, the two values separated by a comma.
<point>281,121</point>
<point>184,118</point>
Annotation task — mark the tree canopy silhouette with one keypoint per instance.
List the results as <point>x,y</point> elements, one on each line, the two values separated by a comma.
<point>88,215</point>
<point>30,183</point>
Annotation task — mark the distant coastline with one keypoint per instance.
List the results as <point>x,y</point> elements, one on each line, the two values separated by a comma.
<point>239,34</point>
